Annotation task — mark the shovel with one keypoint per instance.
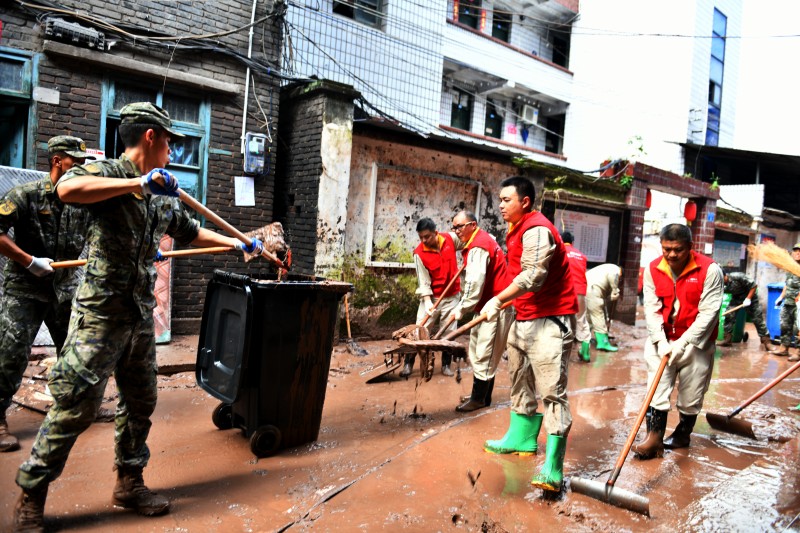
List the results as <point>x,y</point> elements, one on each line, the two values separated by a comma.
<point>607,492</point>
<point>171,253</point>
<point>728,424</point>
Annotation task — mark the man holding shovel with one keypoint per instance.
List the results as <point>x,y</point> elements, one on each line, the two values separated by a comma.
<point>436,263</point>
<point>132,205</point>
<point>682,297</point>
<point>541,337</point>
<point>485,276</point>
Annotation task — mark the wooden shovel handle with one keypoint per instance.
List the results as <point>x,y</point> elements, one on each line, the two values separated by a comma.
<point>732,309</point>
<point>474,322</point>
<point>642,413</point>
<point>229,229</point>
<point>444,292</point>
<point>442,329</point>
<point>764,389</point>
<point>171,253</point>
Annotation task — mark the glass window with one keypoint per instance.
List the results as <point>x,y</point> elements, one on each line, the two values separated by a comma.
<point>185,151</point>
<point>715,73</point>
<point>364,11</point>
<point>182,109</point>
<point>501,26</point>
<point>493,125</point>
<point>720,23</point>
<point>469,12</point>
<point>718,48</point>
<point>12,75</point>
<point>125,94</point>
<point>714,93</point>
<point>461,115</point>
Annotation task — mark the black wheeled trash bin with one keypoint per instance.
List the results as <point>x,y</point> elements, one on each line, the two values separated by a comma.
<point>265,351</point>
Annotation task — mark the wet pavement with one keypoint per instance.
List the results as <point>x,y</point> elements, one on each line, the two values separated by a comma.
<point>396,456</point>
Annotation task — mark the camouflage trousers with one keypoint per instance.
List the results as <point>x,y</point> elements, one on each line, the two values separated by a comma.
<point>95,348</point>
<point>538,358</point>
<point>754,313</point>
<point>788,323</point>
<point>20,320</point>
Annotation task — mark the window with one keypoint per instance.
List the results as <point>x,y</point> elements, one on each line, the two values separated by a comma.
<point>501,26</point>
<point>190,116</point>
<point>461,115</point>
<point>364,11</point>
<point>16,72</point>
<point>467,12</point>
<point>715,75</point>
<point>493,125</point>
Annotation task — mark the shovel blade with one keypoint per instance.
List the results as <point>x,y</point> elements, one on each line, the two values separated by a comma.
<point>610,494</point>
<point>383,372</point>
<point>730,425</point>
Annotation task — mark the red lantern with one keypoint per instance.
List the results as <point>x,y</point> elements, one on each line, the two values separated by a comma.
<point>648,199</point>
<point>690,211</point>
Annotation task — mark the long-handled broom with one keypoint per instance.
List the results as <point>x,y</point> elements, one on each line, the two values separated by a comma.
<point>607,492</point>
<point>729,424</point>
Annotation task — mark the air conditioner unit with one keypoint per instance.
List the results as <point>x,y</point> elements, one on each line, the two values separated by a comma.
<point>530,114</point>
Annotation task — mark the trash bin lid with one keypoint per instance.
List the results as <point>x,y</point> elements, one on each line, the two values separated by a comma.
<point>777,285</point>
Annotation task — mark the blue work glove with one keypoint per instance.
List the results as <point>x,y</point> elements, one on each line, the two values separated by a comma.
<point>254,248</point>
<point>159,257</point>
<point>151,185</point>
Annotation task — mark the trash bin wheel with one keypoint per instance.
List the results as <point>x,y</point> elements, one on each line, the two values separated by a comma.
<point>265,441</point>
<point>222,417</point>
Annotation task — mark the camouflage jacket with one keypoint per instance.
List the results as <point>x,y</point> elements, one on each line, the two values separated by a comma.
<point>122,240</point>
<point>43,227</point>
<point>792,288</point>
<point>738,285</point>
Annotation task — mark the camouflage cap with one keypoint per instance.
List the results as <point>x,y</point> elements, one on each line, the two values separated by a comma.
<point>72,146</point>
<point>796,246</point>
<point>147,113</point>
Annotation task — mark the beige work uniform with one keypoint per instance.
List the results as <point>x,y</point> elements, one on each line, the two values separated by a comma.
<point>487,340</point>
<point>582,332</point>
<point>602,289</point>
<point>539,349</point>
<point>693,368</point>
<point>424,290</point>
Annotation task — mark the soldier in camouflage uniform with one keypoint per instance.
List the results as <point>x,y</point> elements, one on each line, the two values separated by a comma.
<point>743,292</point>
<point>44,230</point>
<point>788,299</point>
<point>132,204</point>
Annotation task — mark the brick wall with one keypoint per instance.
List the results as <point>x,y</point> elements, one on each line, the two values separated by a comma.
<point>79,108</point>
<point>630,257</point>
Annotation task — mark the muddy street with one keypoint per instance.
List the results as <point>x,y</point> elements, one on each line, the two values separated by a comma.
<point>396,456</point>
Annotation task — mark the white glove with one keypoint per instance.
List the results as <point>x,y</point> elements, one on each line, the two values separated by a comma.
<point>663,347</point>
<point>456,314</point>
<point>492,309</point>
<point>747,302</point>
<point>428,305</point>
<point>40,266</point>
<point>678,347</point>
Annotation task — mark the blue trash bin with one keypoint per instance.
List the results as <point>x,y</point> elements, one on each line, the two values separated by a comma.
<point>774,312</point>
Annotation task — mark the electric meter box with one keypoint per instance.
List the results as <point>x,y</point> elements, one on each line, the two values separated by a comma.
<point>255,152</point>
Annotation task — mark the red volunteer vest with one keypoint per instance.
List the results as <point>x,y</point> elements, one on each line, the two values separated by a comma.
<point>557,295</point>
<point>577,266</point>
<point>688,289</point>
<point>441,264</point>
<point>496,271</point>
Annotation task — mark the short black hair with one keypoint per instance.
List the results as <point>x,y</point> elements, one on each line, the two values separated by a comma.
<point>469,215</point>
<point>523,186</point>
<point>568,237</point>
<point>426,224</point>
<point>131,134</point>
<point>676,232</point>
<point>62,155</point>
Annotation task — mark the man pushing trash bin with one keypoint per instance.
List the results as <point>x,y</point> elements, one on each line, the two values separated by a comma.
<point>132,205</point>
<point>743,292</point>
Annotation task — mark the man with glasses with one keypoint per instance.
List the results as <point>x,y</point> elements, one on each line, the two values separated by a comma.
<point>485,275</point>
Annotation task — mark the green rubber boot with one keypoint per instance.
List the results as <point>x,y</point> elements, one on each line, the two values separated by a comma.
<point>551,475</point>
<point>795,408</point>
<point>602,342</point>
<point>520,437</point>
<point>584,352</point>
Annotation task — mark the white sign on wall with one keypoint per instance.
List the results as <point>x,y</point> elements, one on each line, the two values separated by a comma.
<point>590,231</point>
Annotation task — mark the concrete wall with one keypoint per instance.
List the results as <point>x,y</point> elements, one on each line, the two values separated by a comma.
<point>80,87</point>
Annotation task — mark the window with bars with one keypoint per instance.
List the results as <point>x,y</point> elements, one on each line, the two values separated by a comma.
<point>16,72</point>
<point>501,25</point>
<point>364,11</point>
<point>468,12</point>
<point>461,114</point>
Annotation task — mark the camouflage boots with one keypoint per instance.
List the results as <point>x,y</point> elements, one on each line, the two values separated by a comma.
<point>130,492</point>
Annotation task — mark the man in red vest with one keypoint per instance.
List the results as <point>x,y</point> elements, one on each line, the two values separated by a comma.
<point>577,266</point>
<point>682,297</point>
<point>484,276</point>
<point>541,337</point>
<point>436,263</point>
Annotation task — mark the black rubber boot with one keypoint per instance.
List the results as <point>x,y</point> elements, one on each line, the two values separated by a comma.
<point>680,438</point>
<point>653,445</point>
<point>489,390</point>
<point>477,399</point>
<point>409,366</point>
